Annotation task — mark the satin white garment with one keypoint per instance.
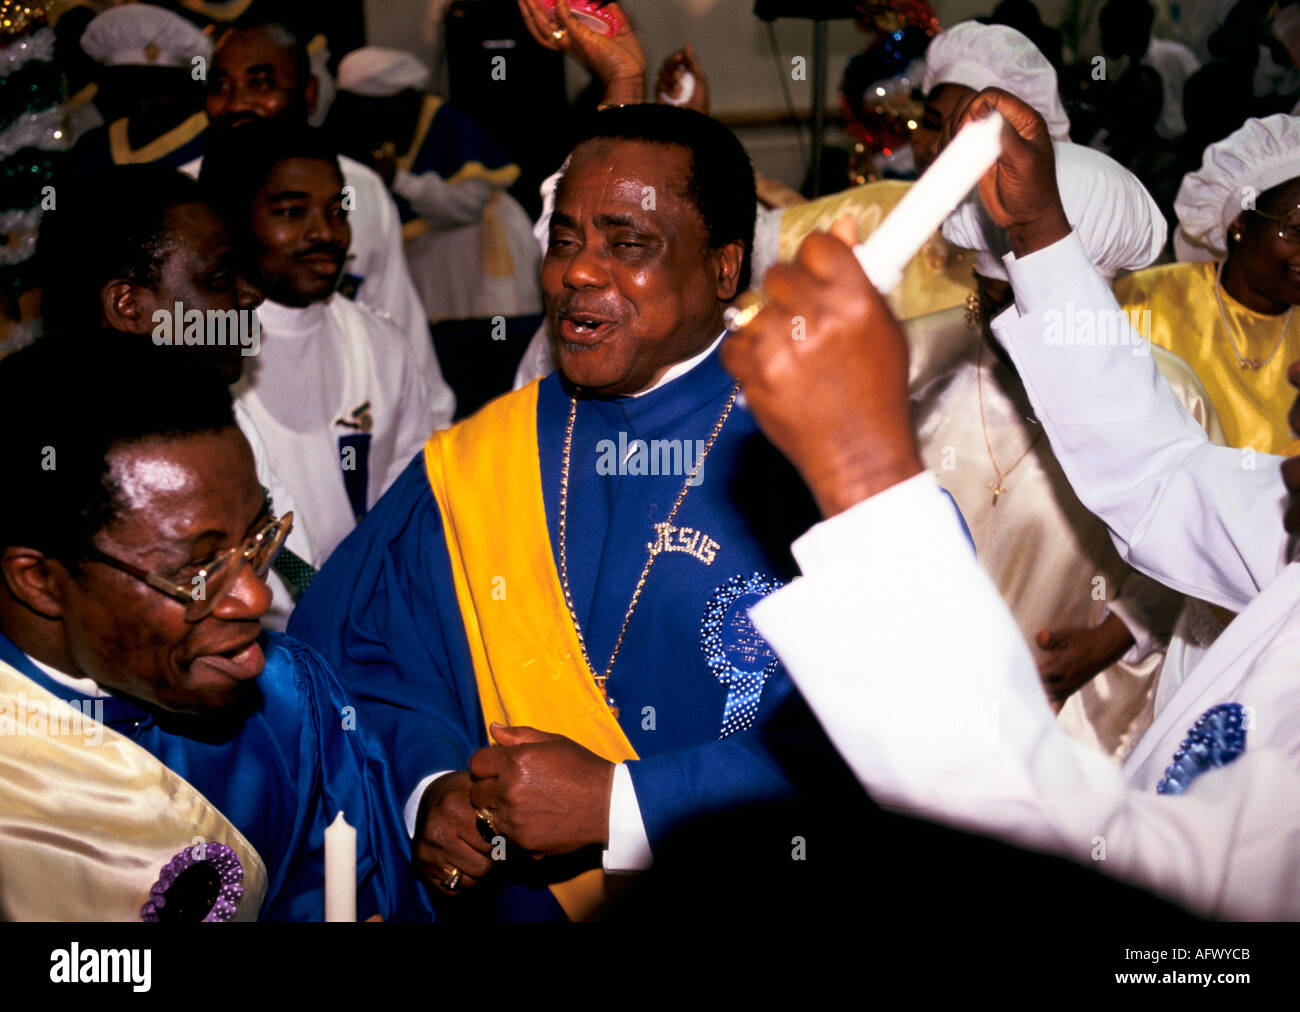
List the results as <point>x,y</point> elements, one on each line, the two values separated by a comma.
<point>1203,519</point>
<point>377,257</point>
<point>317,366</point>
<point>1050,559</point>
<point>936,706</point>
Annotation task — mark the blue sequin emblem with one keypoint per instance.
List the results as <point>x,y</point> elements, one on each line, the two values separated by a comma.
<point>1216,739</point>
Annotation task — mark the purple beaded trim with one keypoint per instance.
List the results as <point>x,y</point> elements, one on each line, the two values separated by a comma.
<point>224,861</point>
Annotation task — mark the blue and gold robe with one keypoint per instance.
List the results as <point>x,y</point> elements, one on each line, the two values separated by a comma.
<point>279,775</point>
<point>388,612</point>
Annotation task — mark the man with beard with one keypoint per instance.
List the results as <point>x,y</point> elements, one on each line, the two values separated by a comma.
<point>147,722</point>
<point>335,391</point>
<point>261,71</point>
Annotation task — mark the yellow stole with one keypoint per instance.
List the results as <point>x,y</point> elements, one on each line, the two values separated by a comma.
<point>88,818</point>
<point>528,665</point>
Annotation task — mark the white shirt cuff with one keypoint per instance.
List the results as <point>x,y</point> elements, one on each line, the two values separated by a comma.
<point>1037,278</point>
<point>629,846</point>
<point>1145,642</point>
<point>829,543</point>
<point>412,808</point>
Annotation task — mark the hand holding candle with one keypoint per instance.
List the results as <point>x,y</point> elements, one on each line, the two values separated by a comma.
<point>902,234</point>
<point>340,871</point>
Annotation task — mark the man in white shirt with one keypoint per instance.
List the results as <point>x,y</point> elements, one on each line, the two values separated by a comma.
<point>1203,811</point>
<point>334,391</point>
<point>262,71</point>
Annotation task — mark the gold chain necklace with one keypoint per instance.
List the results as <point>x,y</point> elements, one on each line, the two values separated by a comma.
<point>1248,364</point>
<point>601,680</point>
<point>998,488</point>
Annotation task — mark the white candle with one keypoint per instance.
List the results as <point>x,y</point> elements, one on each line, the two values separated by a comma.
<point>943,186</point>
<point>340,871</point>
<point>913,220</point>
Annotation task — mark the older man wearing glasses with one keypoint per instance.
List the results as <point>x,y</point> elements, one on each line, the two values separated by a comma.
<point>161,757</point>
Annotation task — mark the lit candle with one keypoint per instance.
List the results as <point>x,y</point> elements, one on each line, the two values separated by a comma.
<point>943,186</point>
<point>340,871</point>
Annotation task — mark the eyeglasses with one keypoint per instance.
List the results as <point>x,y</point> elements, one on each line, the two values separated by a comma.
<point>201,592</point>
<point>1287,231</point>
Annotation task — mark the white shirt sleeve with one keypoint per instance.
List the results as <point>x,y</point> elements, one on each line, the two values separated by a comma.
<point>386,285</point>
<point>440,203</point>
<point>1195,516</point>
<point>412,808</point>
<point>1149,611</point>
<point>629,846</point>
<point>938,710</point>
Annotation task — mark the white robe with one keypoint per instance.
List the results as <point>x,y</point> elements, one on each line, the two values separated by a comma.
<point>966,736</point>
<point>316,367</point>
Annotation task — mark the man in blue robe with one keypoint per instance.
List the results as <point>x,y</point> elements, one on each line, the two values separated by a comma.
<point>135,545</point>
<point>615,519</point>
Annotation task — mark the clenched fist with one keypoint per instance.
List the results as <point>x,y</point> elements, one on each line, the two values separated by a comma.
<point>546,792</point>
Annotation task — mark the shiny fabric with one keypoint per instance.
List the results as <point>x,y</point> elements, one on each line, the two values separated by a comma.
<point>1051,560</point>
<point>936,278</point>
<point>88,818</point>
<point>385,610</point>
<point>534,638</point>
<point>1252,405</point>
<point>279,773</point>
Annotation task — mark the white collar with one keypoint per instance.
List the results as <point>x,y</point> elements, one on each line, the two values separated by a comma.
<point>681,368</point>
<point>82,686</point>
<point>293,321</point>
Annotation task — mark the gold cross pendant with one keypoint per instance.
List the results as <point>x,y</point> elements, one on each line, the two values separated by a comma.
<point>998,489</point>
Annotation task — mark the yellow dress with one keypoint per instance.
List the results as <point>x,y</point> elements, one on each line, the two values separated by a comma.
<point>1252,405</point>
<point>938,277</point>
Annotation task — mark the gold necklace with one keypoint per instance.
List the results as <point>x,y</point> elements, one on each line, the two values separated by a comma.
<point>998,488</point>
<point>1248,364</point>
<point>601,680</point>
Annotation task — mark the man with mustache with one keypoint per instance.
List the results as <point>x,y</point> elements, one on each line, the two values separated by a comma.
<point>161,246</point>
<point>547,612</point>
<point>160,757</point>
<point>335,391</point>
<point>261,73</point>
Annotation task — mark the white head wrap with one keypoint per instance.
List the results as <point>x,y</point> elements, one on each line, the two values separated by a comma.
<point>1120,225</point>
<point>142,35</point>
<point>1262,154</point>
<point>983,56</point>
<point>378,72</point>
